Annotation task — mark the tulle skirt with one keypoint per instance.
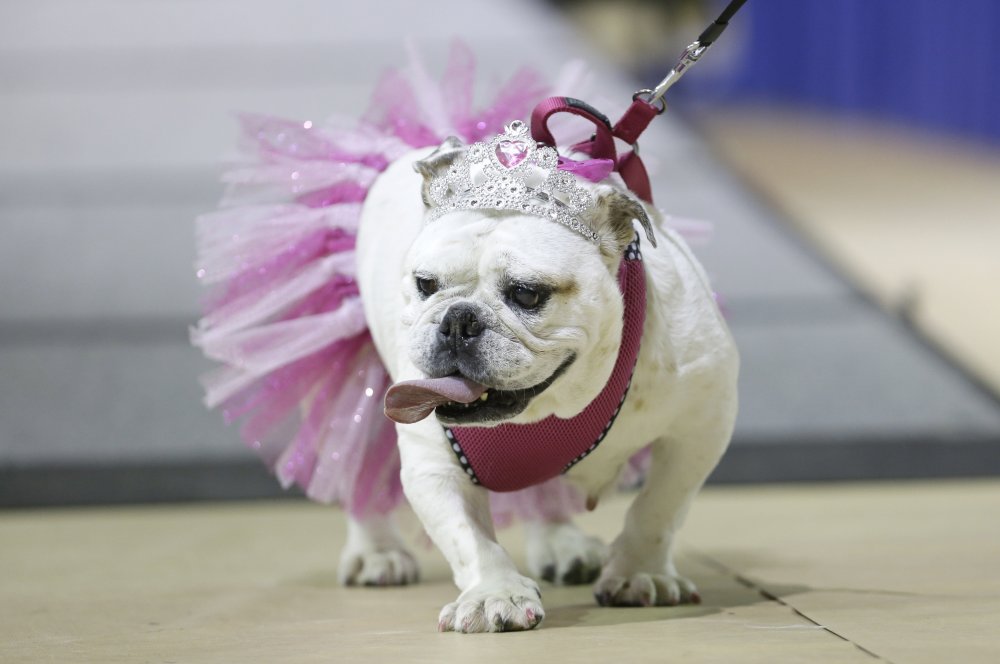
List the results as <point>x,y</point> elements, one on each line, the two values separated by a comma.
<point>282,315</point>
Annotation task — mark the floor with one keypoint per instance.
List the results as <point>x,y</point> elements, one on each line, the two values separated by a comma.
<point>896,572</point>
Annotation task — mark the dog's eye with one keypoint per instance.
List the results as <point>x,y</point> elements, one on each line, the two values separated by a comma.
<point>427,287</point>
<point>524,297</point>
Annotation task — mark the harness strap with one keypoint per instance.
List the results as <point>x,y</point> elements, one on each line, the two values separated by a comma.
<point>602,144</point>
<point>635,120</point>
<point>633,172</point>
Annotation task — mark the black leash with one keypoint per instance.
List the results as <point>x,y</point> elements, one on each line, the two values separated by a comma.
<point>689,57</point>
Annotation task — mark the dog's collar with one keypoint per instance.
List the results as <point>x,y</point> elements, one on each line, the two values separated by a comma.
<point>510,457</point>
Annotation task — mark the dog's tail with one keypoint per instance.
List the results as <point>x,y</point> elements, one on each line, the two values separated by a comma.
<point>283,316</point>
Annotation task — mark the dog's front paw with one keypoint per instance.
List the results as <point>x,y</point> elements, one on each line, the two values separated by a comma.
<point>511,603</point>
<point>389,567</point>
<point>563,554</point>
<point>645,589</point>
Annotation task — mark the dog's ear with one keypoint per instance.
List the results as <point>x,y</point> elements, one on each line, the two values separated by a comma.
<point>436,163</point>
<point>612,218</point>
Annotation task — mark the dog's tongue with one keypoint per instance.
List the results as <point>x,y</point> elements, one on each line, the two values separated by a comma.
<point>410,401</point>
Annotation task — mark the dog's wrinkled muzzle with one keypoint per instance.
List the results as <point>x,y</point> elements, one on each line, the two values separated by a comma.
<point>410,401</point>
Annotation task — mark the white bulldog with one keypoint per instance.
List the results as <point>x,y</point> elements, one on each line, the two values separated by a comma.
<point>530,311</point>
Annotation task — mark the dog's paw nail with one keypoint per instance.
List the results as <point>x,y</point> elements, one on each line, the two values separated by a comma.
<point>377,569</point>
<point>564,555</point>
<point>576,574</point>
<point>499,605</point>
<point>695,598</point>
<point>645,589</point>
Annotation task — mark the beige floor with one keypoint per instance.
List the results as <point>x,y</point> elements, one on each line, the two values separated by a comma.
<point>899,572</point>
<point>914,220</point>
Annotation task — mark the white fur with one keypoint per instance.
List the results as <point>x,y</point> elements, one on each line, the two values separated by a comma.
<point>682,399</point>
<point>375,555</point>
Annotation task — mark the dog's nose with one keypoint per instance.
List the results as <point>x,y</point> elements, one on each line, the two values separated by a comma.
<point>460,322</point>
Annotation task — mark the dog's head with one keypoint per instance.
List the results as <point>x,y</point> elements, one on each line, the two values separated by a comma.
<point>511,317</point>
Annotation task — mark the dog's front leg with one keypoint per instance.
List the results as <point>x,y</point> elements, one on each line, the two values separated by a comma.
<point>455,512</point>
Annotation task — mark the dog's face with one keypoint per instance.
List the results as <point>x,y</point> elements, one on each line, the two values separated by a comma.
<point>519,304</point>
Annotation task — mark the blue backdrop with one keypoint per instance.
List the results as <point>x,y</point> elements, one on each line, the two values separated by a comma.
<point>932,63</point>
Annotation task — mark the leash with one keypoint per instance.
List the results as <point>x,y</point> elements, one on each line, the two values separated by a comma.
<point>646,105</point>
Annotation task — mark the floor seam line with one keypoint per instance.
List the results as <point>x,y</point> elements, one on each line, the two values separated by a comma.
<point>749,583</point>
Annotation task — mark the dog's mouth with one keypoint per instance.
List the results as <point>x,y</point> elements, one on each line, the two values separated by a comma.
<point>458,401</point>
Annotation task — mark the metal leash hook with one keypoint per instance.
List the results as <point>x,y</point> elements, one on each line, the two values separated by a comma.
<point>689,57</point>
<point>654,97</point>
<point>646,105</point>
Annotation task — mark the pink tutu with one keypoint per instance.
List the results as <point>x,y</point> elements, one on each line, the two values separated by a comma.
<point>283,316</point>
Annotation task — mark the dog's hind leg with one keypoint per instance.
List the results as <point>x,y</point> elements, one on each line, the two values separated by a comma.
<point>559,552</point>
<point>375,554</point>
<point>640,570</point>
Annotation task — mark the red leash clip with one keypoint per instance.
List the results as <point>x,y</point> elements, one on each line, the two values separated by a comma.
<point>602,144</point>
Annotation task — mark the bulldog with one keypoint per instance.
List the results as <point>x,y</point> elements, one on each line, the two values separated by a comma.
<point>496,314</point>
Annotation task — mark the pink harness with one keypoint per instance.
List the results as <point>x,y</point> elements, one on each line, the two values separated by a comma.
<point>510,457</point>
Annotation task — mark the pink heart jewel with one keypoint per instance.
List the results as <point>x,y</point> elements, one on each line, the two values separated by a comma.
<point>511,153</point>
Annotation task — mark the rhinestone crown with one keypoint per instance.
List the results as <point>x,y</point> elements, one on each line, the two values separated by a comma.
<point>512,172</point>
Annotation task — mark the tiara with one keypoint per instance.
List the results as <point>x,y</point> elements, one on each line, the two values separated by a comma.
<point>512,172</point>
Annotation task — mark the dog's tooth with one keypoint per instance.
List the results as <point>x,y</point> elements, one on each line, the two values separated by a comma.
<point>484,396</point>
